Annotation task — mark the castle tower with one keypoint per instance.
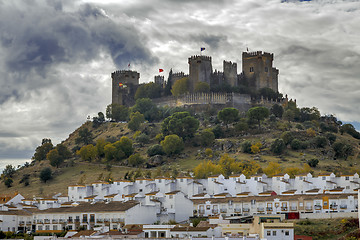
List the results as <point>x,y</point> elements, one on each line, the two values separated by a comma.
<point>159,80</point>
<point>230,73</point>
<point>258,70</point>
<point>124,85</point>
<point>200,70</point>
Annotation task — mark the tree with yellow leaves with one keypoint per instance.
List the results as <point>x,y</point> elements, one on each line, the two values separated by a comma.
<point>207,168</point>
<point>255,148</point>
<point>272,169</point>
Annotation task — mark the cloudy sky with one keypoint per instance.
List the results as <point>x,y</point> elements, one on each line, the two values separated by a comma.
<point>56,56</point>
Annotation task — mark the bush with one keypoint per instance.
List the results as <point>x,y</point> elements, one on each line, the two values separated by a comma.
<point>8,182</point>
<point>313,162</point>
<point>331,137</point>
<point>342,149</point>
<point>320,141</point>
<point>299,126</point>
<point>142,138</point>
<point>204,138</point>
<point>246,147</point>
<point>241,126</point>
<point>287,137</point>
<point>218,131</point>
<point>135,160</point>
<point>278,146</point>
<point>295,144</point>
<point>155,150</point>
<point>172,144</point>
<point>45,175</point>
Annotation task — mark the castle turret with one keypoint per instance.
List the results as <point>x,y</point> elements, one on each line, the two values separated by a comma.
<point>200,70</point>
<point>258,70</point>
<point>230,73</point>
<point>124,85</point>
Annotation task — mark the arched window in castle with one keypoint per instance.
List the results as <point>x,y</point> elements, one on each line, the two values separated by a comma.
<point>266,69</point>
<point>251,69</point>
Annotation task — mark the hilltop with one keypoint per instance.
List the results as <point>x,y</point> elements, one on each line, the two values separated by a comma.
<point>242,139</point>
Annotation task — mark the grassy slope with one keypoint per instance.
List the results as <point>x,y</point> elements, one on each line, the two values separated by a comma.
<point>76,171</point>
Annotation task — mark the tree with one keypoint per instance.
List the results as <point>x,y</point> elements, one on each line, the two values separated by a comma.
<point>126,145</point>
<point>85,136</point>
<point>309,114</point>
<point>206,169</point>
<point>311,132</point>
<point>241,126</point>
<point>287,137</point>
<point>272,169</point>
<point>180,87</point>
<point>97,121</point>
<point>155,150</point>
<point>246,147</point>
<point>289,115</point>
<point>172,144</point>
<point>277,110</point>
<point>63,151</point>
<point>135,160</point>
<point>258,114</point>
<point>149,109</point>
<point>117,112</point>
<point>349,129</point>
<point>168,85</point>
<point>181,124</point>
<point>278,146</point>
<point>8,182</point>
<point>111,152</point>
<point>88,152</point>
<point>255,148</point>
<point>320,141</point>
<point>204,138</point>
<point>228,115</point>
<point>9,171</point>
<point>41,151</point>
<point>45,175</point>
<point>100,144</point>
<point>148,90</point>
<point>54,157</point>
<point>136,119</point>
<point>342,149</point>
<point>202,87</point>
<point>313,162</point>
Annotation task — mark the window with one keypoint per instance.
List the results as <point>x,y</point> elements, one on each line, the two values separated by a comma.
<point>286,233</point>
<point>300,178</point>
<point>181,180</point>
<point>347,178</point>
<point>141,181</point>
<point>55,227</point>
<point>47,227</point>
<point>118,183</point>
<point>70,227</point>
<point>347,187</point>
<point>40,228</point>
<point>171,196</point>
<point>268,233</point>
<point>251,69</point>
<point>114,227</point>
<point>140,190</point>
<point>323,178</point>
<point>274,233</point>
<point>266,69</point>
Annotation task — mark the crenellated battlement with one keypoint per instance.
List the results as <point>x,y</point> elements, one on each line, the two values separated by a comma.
<point>257,53</point>
<point>230,64</point>
<point>200,57</point>
<point>179,74</point>
<point>123,72</point>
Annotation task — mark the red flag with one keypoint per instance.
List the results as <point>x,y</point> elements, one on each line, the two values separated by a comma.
<point>161,70</point>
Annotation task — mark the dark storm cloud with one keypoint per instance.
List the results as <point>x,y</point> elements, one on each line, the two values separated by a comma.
<point>42,35</point>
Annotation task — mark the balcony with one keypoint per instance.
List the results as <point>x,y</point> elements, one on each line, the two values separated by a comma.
<point>269,209</point>
<point>21,222</point>
<point>47,221</point>
<point>246,210</point>
<point>293,208</point>
<point>223,210</point>
<point>84,220</point>
<point>284,208</point>
<point>215,211</point>
<point>260,209</point>
<point>39,221</point>
<point>99,220</point>
<point>77,220</point>
<point>201,211</point>
<point>62,221</point>
<point>237,210</point>
<point>55,221</point>
<point>28,222</point>
<point>343,206</point>
<point>106,220</point>
<point>317,207</point>
<point>70,221</point>
<point>308,208</point>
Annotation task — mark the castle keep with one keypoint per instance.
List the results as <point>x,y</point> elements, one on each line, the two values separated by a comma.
<point>257,72</point>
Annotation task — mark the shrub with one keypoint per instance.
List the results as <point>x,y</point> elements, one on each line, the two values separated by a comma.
<point>172,144</point>
<point>313,162</point>
<point>8,182</point>
<point>142,138</point>
<point>246,147</point>
<point>209,152</point>
<point>342,149</point>
<point>311,132</point>
<point>256,147</point>
<point>204,138</point>
<point>45,175</point>
<point>287,137</point>
<point>320,141</point>
<point>299,126</point>
<point>218,131</point>
<point>155,150</point>
<point>295,144</point>
<point>331,137</point>
<point>135,160</point>
<point>278,146</point>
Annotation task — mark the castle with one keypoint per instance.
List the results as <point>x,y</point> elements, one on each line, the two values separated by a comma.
<point>257,73</point>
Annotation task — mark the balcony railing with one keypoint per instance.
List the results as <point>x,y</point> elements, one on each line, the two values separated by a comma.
<point>269,209</point>
<point>106,220</point>
<point>308,208</point>
<point>223,210</point>
<point>201,211</point>
<point>333,206</point>
<point>215,211</point>
<point>343,206</point>
<point>77,220</point>
<point>99,220</point>
<point>284,208</point>
<point>39,221</point>
<point>28,222</point>
<point>246,210</point>
<point>84,220</point>
<point>47,220</point>
<point>317,207</point>
<point>70,221</point>
<point>54,221</point>
<point>22,222</point>
<point>237,210</point>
